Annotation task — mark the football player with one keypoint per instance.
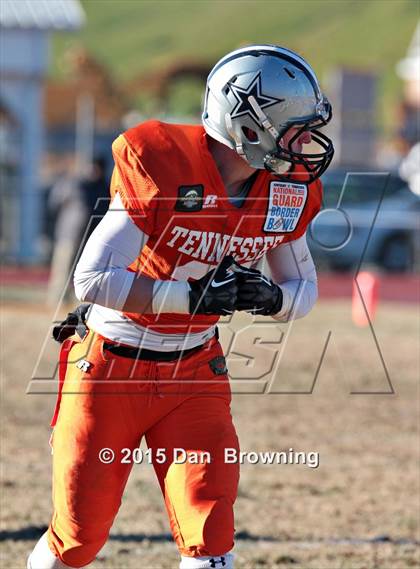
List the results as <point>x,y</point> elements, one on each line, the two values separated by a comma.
<point>193,210</point>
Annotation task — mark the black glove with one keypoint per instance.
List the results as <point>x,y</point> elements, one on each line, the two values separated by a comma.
<point>75,322</point>
<point>215,293</point>
<point>257,294</point>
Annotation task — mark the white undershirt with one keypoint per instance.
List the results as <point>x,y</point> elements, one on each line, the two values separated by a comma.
<point>102,278</point>
<point>293,269</point>
<point>101,275</point>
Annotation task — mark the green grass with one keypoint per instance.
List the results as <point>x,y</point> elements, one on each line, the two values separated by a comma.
<point>134,36</point>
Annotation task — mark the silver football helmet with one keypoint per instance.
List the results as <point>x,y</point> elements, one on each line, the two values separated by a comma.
<point>254,95</point>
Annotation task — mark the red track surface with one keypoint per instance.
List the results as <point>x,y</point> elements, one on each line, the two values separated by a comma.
<point>397,288</point>
<point>23,276</point>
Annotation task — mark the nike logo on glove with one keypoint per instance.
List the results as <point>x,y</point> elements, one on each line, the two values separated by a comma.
<point>216,284</point>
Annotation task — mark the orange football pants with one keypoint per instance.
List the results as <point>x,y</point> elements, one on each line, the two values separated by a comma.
<point>109,401</point>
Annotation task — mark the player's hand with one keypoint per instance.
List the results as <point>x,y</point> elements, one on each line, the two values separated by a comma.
<point>75,322</point>
<point>257,294</point>
<point>216,292</point>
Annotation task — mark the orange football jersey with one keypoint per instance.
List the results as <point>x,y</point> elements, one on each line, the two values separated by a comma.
<point>173,191</point>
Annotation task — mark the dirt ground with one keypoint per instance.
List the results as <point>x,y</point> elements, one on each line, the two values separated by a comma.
<point>358,510</point>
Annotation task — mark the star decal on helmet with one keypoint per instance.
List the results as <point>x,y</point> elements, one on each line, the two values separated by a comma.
<point>243,106</point>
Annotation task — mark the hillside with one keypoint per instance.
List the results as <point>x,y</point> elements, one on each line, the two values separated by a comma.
<point>133,37</point>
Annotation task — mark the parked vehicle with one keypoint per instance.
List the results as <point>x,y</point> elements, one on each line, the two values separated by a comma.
<point>368,218</point>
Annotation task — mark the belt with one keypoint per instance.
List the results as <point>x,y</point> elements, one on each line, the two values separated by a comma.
<point>153,355</point>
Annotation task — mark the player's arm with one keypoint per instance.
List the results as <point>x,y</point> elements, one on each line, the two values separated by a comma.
<point>293,290</point>
<point>102,275</point>
<point>293,269</point>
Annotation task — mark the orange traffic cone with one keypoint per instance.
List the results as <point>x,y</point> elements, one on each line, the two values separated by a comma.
<point>365,298</point>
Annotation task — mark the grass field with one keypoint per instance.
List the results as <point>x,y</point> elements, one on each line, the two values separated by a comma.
<point>132,37</point>
<point>358,510</point>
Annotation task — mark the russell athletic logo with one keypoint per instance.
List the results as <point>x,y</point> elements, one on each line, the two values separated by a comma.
<point>210,201</point>
<point>84,365</point>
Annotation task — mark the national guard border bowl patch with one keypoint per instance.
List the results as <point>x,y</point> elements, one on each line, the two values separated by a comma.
<point>190,198</point>
<point>218,365</point>
<point>286,203</point>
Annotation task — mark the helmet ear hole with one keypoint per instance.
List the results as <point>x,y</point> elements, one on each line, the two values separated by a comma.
<point>250,134</point>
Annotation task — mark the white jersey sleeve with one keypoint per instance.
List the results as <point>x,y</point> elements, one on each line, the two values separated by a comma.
<point>293,269</point>
<point>101,275</point>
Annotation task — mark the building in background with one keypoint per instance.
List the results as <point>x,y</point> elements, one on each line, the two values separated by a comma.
<point>353,93</point>
<point>83,113</point>
<point>25,29</point>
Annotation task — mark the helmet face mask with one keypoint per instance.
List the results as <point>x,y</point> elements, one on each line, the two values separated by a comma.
<point>254,96</point>
<point>314,163</point>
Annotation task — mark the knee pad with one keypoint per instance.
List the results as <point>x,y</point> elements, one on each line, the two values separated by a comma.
<point>43,558</point>
<point>211,562</point>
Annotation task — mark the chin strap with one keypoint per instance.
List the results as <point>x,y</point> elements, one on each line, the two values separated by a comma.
<point>265,121</point>
<point>272,163</point>
<point>238,143</point>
